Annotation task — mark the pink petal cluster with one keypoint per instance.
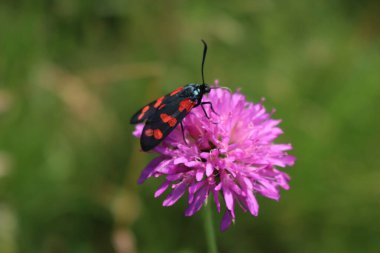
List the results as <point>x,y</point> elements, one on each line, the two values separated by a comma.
<point>231,157</point>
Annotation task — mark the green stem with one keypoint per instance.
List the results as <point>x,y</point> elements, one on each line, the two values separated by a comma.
<point>209,229</point>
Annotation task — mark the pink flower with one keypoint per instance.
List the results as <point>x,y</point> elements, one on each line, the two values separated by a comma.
<point>231,157</point>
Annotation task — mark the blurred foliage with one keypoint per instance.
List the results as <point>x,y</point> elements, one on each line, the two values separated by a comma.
<point>72,73</point>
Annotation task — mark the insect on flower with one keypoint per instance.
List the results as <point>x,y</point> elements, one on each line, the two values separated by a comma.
<point>164,114</point>
<point>232,161</point>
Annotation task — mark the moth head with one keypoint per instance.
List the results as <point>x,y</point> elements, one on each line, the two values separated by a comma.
<point>206,88</point>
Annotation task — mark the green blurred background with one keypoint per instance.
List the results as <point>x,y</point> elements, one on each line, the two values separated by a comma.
<point>73,72</point>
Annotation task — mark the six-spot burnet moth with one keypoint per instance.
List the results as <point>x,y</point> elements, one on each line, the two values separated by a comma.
<point>164,114</point>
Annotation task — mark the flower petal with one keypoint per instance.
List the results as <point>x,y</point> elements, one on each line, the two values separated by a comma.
<point>199,174</point>
<point>138,130</point>
<point>209,169</point>
<point>180,160</point>
<point>226,221</point>
<point>228,198</point>
<point>149,169</point>
<point>175,194</point>
<point>162,188</point>
<point>252,204</point>
<point>198,202</point>
<point>216,200</point>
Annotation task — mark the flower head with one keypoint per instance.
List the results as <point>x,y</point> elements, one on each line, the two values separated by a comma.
<point>231,157</point>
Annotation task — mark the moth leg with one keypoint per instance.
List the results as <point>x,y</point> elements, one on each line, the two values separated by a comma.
<point>212,108</point>
<point>204,111</point>
<point>183,133</point>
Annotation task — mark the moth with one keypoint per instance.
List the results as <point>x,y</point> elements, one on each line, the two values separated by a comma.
<point>164,114</point>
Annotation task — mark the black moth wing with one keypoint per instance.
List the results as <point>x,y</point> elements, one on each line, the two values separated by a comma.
<point>163,122</point>
<point>147,111</point>
<point>143,114</point>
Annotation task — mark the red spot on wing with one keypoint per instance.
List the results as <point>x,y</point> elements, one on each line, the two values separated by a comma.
<point>172,122</point>
<point>168,119</point>
<point>143,111</point>
<point>149,132</point>
<point>158,102</point>
<point>164,117</point>
<point>161,106</point>
<point>157,134</point>
<point>176,91</point>
<point>186,104</point>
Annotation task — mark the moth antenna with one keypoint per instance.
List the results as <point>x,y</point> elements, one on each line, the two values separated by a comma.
<point>203,60</point>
